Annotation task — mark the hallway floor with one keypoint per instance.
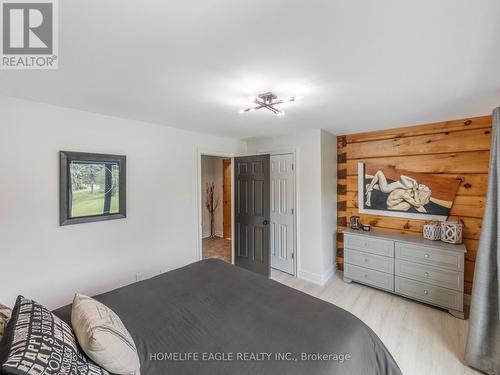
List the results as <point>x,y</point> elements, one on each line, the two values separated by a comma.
<point>217,247</point>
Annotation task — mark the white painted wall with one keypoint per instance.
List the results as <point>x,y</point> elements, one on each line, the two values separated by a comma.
<point>329,201</point>
<point>49,263</point>
<point>315,187</point>
<point>211,171</point>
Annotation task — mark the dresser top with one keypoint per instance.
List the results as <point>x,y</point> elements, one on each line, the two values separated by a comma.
<point>407,238</point>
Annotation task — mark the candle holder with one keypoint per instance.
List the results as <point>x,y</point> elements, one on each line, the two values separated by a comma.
<point>451,232</point>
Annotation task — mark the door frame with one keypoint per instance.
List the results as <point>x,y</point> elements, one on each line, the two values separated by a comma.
<point>199,195</point>
<point>224,189</point>
<point>296,222</point>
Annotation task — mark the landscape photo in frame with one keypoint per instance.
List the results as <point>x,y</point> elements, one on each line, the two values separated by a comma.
<point>92,187</point>
<point>384,190</point>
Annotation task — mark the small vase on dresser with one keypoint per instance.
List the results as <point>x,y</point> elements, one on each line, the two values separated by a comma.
<point>408,265</point>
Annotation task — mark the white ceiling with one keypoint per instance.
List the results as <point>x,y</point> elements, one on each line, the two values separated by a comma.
<point>359,64</point>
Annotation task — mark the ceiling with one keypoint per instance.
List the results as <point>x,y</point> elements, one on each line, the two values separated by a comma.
<point>359,64</point>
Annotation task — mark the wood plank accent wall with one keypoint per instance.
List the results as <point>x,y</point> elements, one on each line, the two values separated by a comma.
<point>458,148</point>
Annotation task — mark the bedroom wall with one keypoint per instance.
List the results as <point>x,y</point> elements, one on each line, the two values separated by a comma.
<point>49,263</point>
<point>328,199</point>
<point>458,148</point>
<point>315,244</point>
<point>211,171</point>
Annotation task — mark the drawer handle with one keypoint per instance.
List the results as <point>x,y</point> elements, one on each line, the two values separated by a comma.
<point>426,255</point>
<point>426,291</point>
<point>366,259</point>
<point>426,274</point>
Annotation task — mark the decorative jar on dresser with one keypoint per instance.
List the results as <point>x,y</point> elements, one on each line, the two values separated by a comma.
<point>407,265</point>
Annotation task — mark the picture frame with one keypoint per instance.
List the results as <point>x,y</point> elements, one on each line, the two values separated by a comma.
<point>92,187</point>
<point>436,194</point>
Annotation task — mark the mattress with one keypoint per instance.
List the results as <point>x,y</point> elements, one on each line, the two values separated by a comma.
<point>214,318</point>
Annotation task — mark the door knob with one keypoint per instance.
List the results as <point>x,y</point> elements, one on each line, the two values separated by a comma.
<point>265,222</point>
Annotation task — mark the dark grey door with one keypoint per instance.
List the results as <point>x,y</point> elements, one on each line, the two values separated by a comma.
<point>252,213</point>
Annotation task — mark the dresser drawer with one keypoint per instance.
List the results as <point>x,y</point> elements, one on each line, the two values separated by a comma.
<point>370,277</point>
<point>434,295</point>
<point>369,245</point>
<point>427,255</point>
<point>367,260</point>
<point>431,275</point>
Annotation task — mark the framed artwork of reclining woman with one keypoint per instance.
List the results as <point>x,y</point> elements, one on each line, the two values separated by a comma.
<point>384,190</point>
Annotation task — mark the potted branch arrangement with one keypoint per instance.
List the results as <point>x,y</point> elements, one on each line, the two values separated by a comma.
<point>211,204</point>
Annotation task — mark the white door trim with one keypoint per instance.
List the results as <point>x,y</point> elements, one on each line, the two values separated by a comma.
<point>200,153</point>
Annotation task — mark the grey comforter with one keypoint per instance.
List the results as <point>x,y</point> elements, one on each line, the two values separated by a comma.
<point>214,318</point>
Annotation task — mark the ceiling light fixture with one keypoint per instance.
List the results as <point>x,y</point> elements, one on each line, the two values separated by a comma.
<point>268,101</point>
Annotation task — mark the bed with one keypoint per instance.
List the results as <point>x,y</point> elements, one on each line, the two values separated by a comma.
<point>211,317</point>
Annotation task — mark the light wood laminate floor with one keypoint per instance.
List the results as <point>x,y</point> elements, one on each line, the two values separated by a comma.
<point>422,339</point>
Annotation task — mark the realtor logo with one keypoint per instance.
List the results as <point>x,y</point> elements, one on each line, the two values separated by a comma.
<point>29,34</point>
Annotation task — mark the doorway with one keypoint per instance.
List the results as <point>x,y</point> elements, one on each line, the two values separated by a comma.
<point>216,205</point>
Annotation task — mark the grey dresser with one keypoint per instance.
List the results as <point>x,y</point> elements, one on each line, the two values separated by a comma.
<point>407,265</point>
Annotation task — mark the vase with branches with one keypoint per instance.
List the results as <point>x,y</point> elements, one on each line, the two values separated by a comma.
<point>211,204</point>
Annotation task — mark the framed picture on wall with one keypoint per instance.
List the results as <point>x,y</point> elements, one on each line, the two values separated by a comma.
<point>92,187</point>
<point>384,190</point>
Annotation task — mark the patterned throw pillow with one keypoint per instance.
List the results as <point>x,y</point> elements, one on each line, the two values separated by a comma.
<point>103,336</point>
<point>38,342</point>
<point>5,314</point>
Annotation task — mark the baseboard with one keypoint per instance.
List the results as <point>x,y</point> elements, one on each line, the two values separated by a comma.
<point>217,235</point>
<point>328,273</point>
<point>316,278</point>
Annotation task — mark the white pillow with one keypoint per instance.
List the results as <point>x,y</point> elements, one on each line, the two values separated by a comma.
<point>103,336</point>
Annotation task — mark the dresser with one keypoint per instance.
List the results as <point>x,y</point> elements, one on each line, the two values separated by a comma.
<point>407,265</point>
